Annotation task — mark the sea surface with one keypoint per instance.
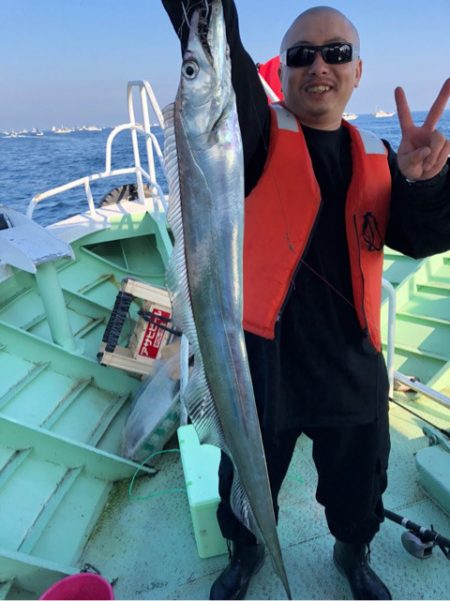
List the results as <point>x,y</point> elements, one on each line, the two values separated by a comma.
<point>33,164</point>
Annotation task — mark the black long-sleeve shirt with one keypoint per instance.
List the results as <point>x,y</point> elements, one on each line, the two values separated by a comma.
<point>321,369</point>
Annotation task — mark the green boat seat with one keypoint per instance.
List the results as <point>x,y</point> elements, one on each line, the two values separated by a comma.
<point>200,466</point>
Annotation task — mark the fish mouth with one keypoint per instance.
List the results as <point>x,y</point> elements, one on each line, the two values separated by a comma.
<point>200,23</point>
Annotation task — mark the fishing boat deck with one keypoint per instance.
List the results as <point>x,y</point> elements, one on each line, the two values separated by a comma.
<point>148,545</point>
<point>65,488</point>
<point>62,417</point>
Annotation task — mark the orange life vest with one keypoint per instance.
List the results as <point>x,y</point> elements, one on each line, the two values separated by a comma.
<point>280,213</point>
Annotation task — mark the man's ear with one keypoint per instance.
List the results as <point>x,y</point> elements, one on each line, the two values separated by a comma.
<point>280,76</point>
<point>358,73</point>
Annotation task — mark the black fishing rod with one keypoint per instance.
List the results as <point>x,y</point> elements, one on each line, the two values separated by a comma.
<point>419,541</point>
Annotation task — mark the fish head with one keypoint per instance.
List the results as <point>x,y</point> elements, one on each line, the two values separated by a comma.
<point>205,91</point>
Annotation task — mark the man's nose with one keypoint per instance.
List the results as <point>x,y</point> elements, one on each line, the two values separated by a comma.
<point>318,65</point>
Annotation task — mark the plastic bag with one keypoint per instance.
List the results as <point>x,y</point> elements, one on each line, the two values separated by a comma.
<point>155,412</point>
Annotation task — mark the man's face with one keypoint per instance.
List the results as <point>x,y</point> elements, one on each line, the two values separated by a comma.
<point>318,93</point>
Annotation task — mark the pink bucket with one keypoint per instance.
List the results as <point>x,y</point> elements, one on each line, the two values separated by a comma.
<point>80,586</point>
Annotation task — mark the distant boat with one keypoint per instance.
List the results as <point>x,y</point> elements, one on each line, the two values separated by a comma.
<point>89,128</point>
<point>36,132</point>
<point>380,113</point>
<point>62,130</point>
<point>349,116</point>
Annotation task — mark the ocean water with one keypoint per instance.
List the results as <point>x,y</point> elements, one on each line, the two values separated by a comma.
<point>31,165</point>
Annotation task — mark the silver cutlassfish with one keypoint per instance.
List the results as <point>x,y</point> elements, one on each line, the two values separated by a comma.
<point>204,166</point>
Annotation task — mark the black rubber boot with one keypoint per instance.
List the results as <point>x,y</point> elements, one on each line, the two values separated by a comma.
<point>245,561</point>
<point>352,561</point>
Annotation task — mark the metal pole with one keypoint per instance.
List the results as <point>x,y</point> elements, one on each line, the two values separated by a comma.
<point>392,309</point>
<point>55,306</point>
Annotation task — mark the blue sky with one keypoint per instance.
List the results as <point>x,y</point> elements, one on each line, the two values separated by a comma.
<point>68,61</point>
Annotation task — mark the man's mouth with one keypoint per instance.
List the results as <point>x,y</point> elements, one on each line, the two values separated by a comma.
<point>318,89</point>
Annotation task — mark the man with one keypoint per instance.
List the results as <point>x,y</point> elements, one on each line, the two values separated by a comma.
<point>321,200</point>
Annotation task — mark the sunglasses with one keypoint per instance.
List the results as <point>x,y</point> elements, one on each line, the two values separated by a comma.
<point>304,55</point>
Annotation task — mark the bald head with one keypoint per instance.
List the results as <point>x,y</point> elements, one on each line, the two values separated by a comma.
<point>320,17</point>
<point>317,92</point>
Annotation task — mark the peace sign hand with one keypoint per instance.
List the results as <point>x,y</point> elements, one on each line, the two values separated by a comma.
<point>423,150</point>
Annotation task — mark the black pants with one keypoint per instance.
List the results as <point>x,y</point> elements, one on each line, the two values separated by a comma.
<point>351,463</point>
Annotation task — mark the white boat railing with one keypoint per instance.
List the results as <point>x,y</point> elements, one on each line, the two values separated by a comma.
<point>417,386</point>
<point>390,346</point>
<point>154,203</point>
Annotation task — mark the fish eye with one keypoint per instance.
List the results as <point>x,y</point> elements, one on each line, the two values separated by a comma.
<point>190,69</point>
